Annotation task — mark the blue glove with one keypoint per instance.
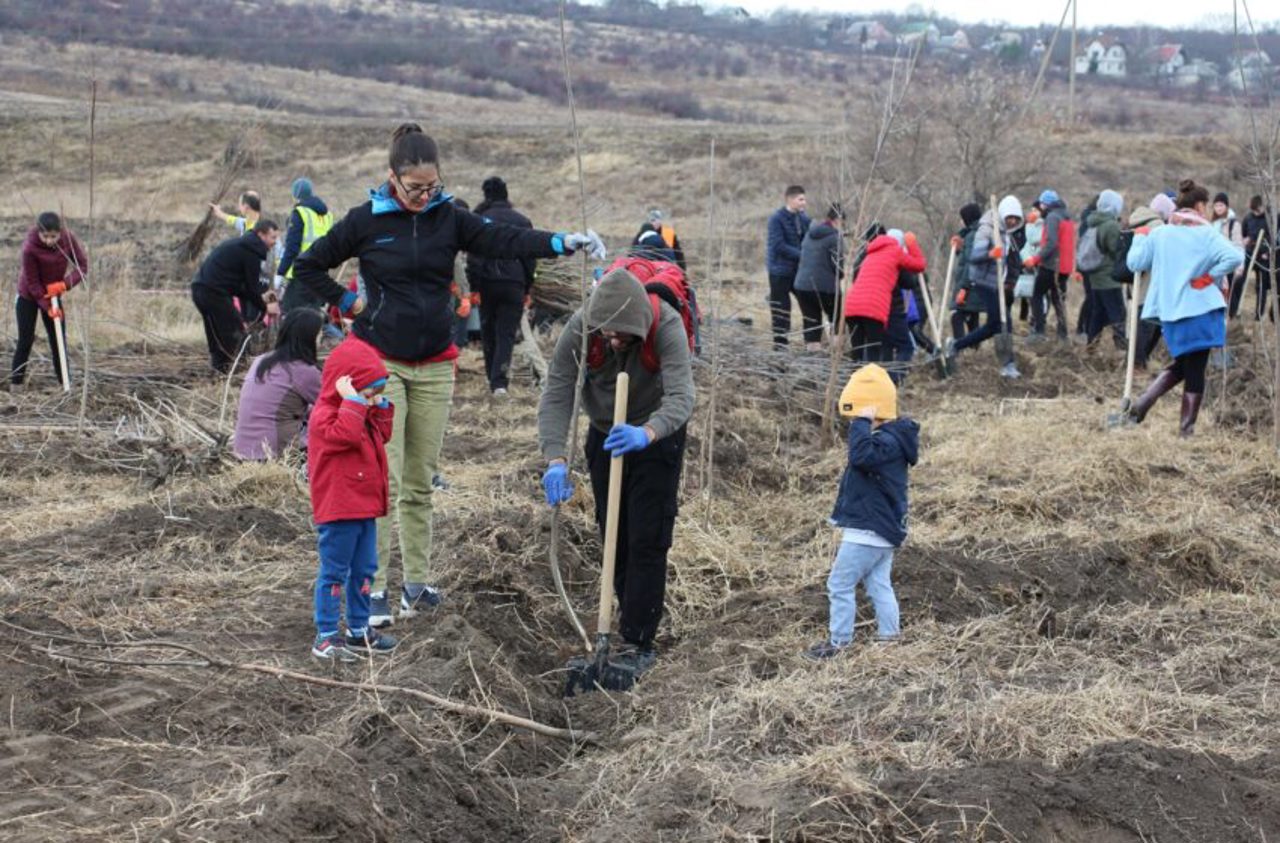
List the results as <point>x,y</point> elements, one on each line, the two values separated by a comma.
<point>348,301</point>
<point>556,484</point>
<point>626,439</point>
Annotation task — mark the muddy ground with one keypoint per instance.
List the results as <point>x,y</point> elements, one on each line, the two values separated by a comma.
<point>1034,588</point>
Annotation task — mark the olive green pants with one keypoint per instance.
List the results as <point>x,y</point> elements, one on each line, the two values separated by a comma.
<point>422,396</point>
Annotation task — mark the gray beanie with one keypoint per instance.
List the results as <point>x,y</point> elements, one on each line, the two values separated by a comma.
<point>1110,202</point>
<point>620,304</point>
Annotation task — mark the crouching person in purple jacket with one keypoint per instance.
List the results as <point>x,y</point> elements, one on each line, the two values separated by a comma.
<point>280,389</point>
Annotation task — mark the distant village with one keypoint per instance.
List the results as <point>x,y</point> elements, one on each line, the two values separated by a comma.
<point>1098,54</point>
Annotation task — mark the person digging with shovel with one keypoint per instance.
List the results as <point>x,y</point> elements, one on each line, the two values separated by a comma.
<point>636,334</point>
<point>993,260</point>
<point>53,261</point>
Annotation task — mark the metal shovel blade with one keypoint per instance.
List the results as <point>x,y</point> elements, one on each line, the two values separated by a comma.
<point>1004,348</point>
<point>599,672</point>
<point>1121,418</point>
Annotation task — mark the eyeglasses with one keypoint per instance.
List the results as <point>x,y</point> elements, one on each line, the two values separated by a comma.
<point>430,191</point>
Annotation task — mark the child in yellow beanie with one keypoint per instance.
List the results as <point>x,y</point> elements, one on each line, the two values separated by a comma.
<point>871,507</point>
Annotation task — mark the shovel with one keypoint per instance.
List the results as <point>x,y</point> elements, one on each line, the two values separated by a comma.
<point>940,358</point>
<point>55,311</point>
<point>1004,339</point>
<point>1121,418</point>
<point>598,671</point>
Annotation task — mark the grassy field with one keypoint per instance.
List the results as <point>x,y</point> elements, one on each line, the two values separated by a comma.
<point>1091,617</point>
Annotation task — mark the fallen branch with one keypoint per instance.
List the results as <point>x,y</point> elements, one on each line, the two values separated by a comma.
<point>206,660</point>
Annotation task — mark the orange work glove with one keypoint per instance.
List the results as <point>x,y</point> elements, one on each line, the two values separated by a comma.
<point>961,297</point>
<point>1033,217</point>
<point>475,299</point>
<point>957,242</point>
<point>464,308</point>
<point>909,240</point>
<point>57,288</point>
<point>1031,262</point>
<point>55,313</point>
<point>996,253</point>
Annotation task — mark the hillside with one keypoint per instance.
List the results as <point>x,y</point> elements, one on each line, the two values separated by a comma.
<point>1091,616</point>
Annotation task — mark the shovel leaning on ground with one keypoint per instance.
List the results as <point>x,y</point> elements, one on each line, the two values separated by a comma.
<point>1004,339</point>
<point>598,671</point>
<point>939,357</point>
<point>1126,403</point>
<point>55,312</point>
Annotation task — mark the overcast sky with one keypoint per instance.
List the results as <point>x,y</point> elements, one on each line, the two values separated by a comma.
<point>1092,13</point>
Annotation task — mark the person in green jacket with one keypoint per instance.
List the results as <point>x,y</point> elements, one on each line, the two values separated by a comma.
<point>1106,296</point>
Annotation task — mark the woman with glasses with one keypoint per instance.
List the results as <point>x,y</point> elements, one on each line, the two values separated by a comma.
<point>406,237</point>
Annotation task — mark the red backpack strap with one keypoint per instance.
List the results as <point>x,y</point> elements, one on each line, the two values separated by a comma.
<point>649,349</point>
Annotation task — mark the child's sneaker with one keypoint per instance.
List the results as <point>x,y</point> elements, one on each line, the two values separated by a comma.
<point>824,650</point>
<point>380,610</point>
<point>415,599</point>
<point>371,641</point>
<point>332,648</point>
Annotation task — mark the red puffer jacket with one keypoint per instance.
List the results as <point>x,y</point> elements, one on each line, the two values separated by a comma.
<point>871,293</point>
<point>346,439</point>
<point>44,265</point>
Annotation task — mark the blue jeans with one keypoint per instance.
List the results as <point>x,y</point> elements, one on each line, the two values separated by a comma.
<point>348,560</point>
<point>871,566</point>
<point>991,302</point>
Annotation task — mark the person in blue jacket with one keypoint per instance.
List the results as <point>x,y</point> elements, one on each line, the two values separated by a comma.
<point>871,507</point>
<point>787,227</point>
<point>1184,258</point>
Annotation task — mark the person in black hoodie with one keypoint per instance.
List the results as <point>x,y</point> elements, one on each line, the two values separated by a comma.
<point>966,307</point>
<point>232,271</point>
<point>407,237</point>
<point>504,286</point>
<point>1256,227</point>
<point>821,262</point>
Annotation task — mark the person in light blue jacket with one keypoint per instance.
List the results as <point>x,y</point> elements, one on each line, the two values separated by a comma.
<point>1184,258</point>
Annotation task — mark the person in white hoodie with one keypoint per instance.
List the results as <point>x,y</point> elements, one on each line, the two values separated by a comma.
<point>1186,258</point>
<point>993,244</point>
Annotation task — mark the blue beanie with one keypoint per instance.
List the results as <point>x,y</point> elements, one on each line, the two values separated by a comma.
<point>1050,197</point>
<point>301,188</point>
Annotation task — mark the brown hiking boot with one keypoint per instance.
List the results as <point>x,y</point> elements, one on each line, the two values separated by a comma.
<point>1162,383</point>
<point>1190,410</point>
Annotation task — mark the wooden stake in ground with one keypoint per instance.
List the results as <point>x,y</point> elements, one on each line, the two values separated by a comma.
<point>1071,70</point>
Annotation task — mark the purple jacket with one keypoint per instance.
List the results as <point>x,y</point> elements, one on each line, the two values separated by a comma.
<point>273,413</point>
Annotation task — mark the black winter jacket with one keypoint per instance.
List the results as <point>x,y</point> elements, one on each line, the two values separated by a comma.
<point>407,263</point>
<point>821,256</point>
<point>873,490</point>
<point>1253,227</point>
<point>232,268</point>
<point>485,272</point>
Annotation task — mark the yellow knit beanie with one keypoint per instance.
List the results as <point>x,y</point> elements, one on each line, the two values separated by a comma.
<point>870,386</point>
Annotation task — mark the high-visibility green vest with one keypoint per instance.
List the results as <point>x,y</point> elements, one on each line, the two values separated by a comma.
<point>314,226</point>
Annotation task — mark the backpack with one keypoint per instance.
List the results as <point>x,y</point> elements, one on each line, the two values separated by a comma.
<point>1120,271</point>
<point>1089,256</point>
<point>664,282</point>
<point>1066,246</point>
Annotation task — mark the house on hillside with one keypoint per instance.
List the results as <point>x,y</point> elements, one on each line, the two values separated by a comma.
<point>1250,69</point>
<point>1166,60</point>
<point>914,32</point>
<point>957,42</point>
<point>735,13</point>
<point>1198,73</point>
<point>867,35</point>
<point>1103,56</point>
<point>1002,40</point>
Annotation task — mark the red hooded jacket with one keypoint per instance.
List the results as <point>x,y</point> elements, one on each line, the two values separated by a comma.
<point>346,440</point>
<point>871,293</point>
<point>44,265</point>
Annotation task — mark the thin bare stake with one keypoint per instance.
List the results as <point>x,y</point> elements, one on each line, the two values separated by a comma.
<point>86,343</point>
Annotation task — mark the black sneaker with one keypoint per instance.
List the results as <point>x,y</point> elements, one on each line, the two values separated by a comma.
<point>379,610</point>
<point>332,648</point>
<point>371,642</point>
<point>636,656</point>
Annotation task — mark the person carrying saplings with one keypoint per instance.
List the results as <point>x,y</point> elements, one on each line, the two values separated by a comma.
<point>349,430</point>
<point>871,508</point>
<point>620,319</point>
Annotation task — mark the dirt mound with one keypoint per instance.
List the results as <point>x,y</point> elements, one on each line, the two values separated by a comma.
<point>1125,792</point>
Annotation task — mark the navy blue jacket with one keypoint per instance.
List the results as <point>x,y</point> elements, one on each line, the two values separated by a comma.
<point>873,490</point>
<point>786,234</point>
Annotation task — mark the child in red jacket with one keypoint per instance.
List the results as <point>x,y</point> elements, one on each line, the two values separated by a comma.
<point>870,297</point>
<point>347,459</point>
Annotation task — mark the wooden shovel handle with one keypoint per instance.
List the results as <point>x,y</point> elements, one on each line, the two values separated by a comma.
<point>605,617</point>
